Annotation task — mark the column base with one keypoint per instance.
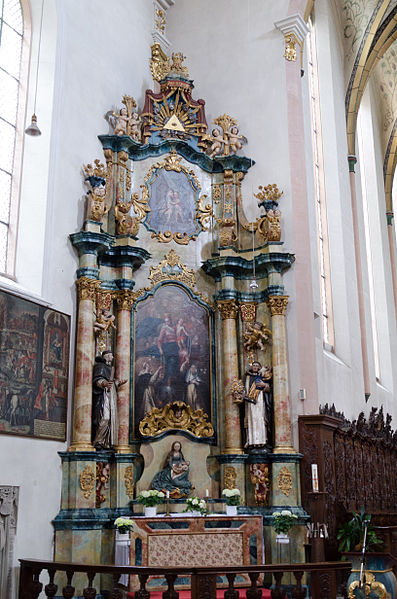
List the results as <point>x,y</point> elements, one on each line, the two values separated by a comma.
<point>123,449</point>
<point>284,449</point>
<point>232,451</point>
<point>81,447</point>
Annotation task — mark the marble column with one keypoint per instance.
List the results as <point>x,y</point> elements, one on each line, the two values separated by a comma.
<point>125,300</point>
<point>85,348</point>
<point>229,310</point>
<point>281,399</point>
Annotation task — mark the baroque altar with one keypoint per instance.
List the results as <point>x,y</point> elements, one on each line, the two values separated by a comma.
<point>181,378</point>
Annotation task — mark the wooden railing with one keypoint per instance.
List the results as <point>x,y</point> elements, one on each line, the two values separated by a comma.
<point>322,577</point>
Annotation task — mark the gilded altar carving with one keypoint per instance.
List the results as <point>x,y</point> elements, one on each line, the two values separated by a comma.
<point>104,320</point>
<point>159,20</point>
<point>229,141</point>
<point>257,336</point>
<point>125,223</point>
<point>87,481</point>
<point>290,46</point>
<point>159,62</point>
<point>129,481</point>
<point>102,480</point>
<point>371,586</point>
<point>98,196</point>
<point>173,212</point>
<point>125,299</point>
<point>285,481</point>
<point>228,309</point>
<point>229,478</point>
<point>227,233</point>
<point>260,477</point>
<point>217,193</point>
<point>278,304</point>
<point>172,268</point>
<point>248,311</point>
<point>269,224</point>
<point>127,120</point>
<point>179,416</point>
<point>87,288</point>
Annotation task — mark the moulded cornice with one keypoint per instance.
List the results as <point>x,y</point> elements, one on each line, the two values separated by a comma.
<point>293,24</point>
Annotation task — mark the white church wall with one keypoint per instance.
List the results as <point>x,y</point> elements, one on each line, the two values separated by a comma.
<point>91,55</point>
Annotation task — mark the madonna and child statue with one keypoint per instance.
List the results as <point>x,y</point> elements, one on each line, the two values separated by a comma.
<point>174,477</point>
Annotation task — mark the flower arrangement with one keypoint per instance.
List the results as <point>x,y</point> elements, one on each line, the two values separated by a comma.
<point>150,498</point>
<point>283,521</point>
<point>195,504</point>
<point>232,496</point>
<point>123,525</point>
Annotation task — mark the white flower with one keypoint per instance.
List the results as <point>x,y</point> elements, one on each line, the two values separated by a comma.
<point>145,493</point>
<point>286,513</point>
<point>276,514</point>
<point>195,501</point>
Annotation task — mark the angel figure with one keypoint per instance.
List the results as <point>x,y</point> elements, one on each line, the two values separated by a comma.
<point>126,224</point>
<point>135,121</point>
<point>217,141</point>
<point>121,122</point>
<point>104,321</point>
<point>256,336</point>
<point>234,139</point>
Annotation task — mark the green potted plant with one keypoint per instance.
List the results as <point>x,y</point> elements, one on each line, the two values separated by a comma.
<point>123,526</point>
<point>283,521</point>
<point>232,497</point>
<point>150,499</point>
<point>351,534</point>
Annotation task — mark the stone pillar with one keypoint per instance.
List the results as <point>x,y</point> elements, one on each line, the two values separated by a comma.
<point>85,347</point>
<point>281,400</point>
<point>125,300</point>
<point>229,311</point>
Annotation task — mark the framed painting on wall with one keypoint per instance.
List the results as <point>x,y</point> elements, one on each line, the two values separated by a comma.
<point>173,364</point>
<point>34,365</point>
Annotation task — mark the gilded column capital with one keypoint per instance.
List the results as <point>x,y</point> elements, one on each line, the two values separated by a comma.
<point>87,288</point>
<point>125,299</point>
<point>228,309</point>
<point>278,304</point>
<point>248,311</point>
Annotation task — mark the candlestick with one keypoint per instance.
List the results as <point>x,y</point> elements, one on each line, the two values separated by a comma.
<point>167,504</point>
<point>207,493</point>
<point>315,478</point>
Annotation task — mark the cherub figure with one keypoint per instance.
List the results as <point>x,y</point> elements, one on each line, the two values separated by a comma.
<point>135,121</point>
<point>256,336</point>
<point>121,122</point>
<point>126,224</point>
<point>104,321</point>
<point>234,139</point>
<point>217,141</point>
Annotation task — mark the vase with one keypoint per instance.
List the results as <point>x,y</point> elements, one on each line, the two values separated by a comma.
<point>150,512</point>
<point>196,514</point>
<point>282,538</point>
<point>379,572</point>
<point>231,510</point>
<point>122,554</point>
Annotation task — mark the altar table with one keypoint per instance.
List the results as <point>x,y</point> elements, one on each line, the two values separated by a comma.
<point>214,540</point>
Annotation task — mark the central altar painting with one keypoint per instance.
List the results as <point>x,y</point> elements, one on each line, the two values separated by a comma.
<point>172,364</point>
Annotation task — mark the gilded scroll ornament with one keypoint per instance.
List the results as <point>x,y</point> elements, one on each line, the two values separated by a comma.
<point>129,481</point>
<point>102,480</point>
<point>204,212</point>
<point>87,481</point>
<point>248,312</point>
<point>229,477</point>
<point>290,46</point>
<point>159,62</point>
<point>176,416</point>
<point>278,304</point>
<point>217,193</point>
<point>228,309</point>
<point>372,587</point>
<point>87,288</point>
<point>159,20</point>
<point>285,481</point>
<point>172,268</point>
<point>260,477</point>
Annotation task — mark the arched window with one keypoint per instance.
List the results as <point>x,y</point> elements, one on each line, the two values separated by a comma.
<point>11,124</point>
